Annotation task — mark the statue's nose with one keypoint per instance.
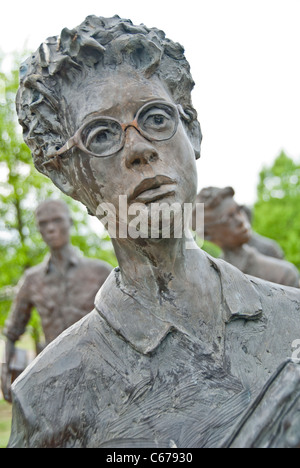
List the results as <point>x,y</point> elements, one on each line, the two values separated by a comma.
<point>137,150</point>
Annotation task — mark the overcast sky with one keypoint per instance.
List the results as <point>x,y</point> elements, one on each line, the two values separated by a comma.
<point>245,60</point>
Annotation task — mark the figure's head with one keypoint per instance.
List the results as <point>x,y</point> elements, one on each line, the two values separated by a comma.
<point>225,222</point>
<point>54,223</point>
<point>101,75</point>
<point>248,212</point>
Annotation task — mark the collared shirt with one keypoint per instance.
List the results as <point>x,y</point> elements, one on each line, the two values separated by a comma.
<point>125,376</point>
<point>60,297</point>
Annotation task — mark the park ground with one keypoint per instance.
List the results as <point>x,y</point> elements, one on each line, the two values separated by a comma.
<point>5,423</point>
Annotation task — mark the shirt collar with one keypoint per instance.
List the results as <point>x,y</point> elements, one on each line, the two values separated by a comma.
<point>73,260</point>
<point>145,331</point>
<point>240,298</point>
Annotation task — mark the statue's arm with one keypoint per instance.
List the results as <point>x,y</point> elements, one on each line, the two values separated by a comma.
<point>273,419</point>
<point>6,374</point>
<point>20,313</point>
<point>14,328</point>
<point>292,277</point>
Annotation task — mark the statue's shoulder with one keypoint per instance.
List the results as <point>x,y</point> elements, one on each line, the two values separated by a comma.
<point>262,324</point>
<point>66,356</point>
<point>239,288</point>
<point>46,397</point>
<point>36,272</point>
<point>276,297</point>
<point>95,266</point>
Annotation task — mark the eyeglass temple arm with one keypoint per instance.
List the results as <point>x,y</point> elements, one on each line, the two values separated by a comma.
<point>69,145</point>
<point>183,114</point>
<point>53,158</point>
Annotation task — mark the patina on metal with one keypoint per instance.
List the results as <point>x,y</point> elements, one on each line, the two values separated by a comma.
<point>179,344</point>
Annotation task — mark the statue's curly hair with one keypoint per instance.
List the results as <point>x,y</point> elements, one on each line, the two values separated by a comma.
<point>58,203</point>
<point>96,44</point>
<point>213,196</point>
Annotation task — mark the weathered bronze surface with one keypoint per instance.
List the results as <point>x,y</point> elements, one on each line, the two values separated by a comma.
<point>227,225</point>
<point>179,344</point>
<point>273,420</point>
<point>62,288</point>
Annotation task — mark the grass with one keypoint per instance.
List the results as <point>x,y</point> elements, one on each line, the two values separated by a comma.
<point>5,423</point>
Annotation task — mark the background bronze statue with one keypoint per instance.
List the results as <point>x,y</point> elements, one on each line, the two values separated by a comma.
<point>227,225</point>
<point>263,244</point>
<point>62,288</point>
<point>175,350</point>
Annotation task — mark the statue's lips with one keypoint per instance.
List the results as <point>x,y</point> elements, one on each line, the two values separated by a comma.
<point>153,189</point>
<point>155,194</point>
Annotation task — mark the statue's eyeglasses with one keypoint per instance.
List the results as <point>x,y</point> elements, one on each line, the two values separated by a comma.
<point>103,136</point>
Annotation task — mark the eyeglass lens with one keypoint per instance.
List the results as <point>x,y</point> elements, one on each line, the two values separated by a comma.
<point>103,136</point>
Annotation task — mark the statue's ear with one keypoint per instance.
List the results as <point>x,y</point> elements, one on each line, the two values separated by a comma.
<point>192,126</point>
<point>54,169</point>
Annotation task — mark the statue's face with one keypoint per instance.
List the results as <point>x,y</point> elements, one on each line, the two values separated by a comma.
<point>230,226</point>
<point>54,225</point>
<point>145,171</point>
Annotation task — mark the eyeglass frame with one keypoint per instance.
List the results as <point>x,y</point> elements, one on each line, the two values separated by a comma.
<point>76,140</point>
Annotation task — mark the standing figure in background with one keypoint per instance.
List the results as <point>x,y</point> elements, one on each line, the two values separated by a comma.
<point>227,226</point>
<point>62,288</point>
<point>263,244</point>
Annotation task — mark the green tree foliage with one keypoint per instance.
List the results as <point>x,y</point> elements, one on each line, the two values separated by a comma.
<point>211,248</point>
<point>21,189</point>
<point>276,213</point>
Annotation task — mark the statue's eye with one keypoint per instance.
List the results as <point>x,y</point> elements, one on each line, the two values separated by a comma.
<point>158,122</point>
<point>102,137</point>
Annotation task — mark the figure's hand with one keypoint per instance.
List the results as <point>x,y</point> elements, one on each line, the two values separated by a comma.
<point>6,375</point>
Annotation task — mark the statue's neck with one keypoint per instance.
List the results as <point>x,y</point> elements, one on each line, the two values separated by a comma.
<point>152,267</point>
<point>60,257</point>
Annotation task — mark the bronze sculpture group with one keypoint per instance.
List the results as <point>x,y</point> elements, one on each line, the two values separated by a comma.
<point>180,345</point>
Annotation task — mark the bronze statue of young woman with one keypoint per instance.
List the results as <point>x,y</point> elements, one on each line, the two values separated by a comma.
<point>179,344</point>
